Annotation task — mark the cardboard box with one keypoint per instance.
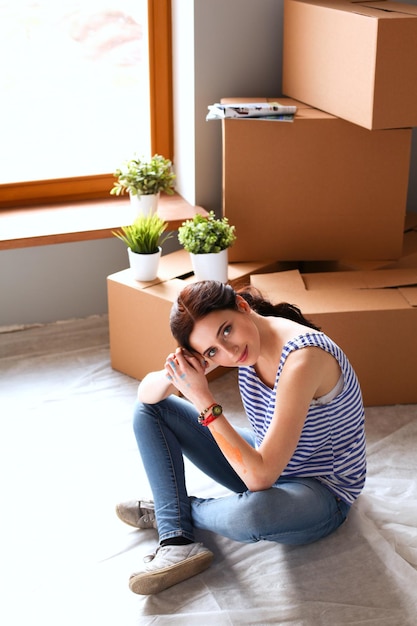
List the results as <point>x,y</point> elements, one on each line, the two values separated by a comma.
<point>356,60</point>
<point>372,315</point>
<point>318,188</point>
<point>409,255</point>
<point>140,337</point>
<point>408,258</point>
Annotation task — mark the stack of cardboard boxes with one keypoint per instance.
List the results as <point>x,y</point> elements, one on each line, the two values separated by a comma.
<point>328,191</point>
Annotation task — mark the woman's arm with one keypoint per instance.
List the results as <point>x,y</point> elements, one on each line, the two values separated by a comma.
<point>258,469</point>
<point>302,375</point>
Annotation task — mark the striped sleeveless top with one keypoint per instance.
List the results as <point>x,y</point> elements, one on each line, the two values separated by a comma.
<point>331,447</point>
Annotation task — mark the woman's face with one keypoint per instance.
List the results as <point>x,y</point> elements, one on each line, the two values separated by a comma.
<point>228,338</point>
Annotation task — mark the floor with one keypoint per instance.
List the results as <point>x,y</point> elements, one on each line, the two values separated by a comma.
<point>67,455</point>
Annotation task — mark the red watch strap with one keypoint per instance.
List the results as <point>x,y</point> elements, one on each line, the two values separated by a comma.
<point>209,419</point>
<point>203,413</point>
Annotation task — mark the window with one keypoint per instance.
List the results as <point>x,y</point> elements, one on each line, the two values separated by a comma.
<point>79,93</point>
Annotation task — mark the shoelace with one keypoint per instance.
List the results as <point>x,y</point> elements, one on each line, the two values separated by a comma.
<point>150,557</point>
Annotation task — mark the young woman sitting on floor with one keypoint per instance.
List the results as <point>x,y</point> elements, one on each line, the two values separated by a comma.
<point>293,475</point>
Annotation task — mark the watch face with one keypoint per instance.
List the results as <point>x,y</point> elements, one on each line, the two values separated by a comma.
<point>217,410</point>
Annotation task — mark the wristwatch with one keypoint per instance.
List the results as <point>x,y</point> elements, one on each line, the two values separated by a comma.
<point>214,410</point>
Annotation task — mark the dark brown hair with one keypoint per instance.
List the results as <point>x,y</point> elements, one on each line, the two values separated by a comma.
<point>201,298</point>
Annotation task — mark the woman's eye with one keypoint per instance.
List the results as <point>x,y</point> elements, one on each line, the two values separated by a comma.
<point>227,330</point>
<point>211,353</point>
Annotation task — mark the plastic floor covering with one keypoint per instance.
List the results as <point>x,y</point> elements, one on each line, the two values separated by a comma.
<point>67,455</point>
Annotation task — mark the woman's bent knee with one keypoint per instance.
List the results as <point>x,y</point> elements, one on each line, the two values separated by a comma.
<point>141,412</point>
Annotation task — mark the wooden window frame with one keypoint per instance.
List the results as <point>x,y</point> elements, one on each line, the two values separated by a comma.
<point>41,192</point>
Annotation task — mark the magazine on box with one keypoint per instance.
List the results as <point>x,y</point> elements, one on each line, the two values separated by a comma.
<point>243,110</point>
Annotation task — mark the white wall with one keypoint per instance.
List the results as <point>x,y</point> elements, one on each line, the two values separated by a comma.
<point>48,283</point>
<point>221,48</point>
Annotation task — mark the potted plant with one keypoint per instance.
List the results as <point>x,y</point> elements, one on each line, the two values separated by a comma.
<point>144,179</point>
<point>207,240</point>
<point>144,242</point>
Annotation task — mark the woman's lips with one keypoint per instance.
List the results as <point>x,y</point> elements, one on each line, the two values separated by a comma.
<point>244,355</point>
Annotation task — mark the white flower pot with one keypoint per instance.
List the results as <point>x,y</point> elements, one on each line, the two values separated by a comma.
<point>144,267</point>
<point>212,266</point>
<point>144,204</point>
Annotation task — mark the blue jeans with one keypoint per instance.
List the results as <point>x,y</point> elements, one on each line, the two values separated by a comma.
<point>294,510</point>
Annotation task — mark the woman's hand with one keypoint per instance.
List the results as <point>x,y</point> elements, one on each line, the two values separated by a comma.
<point>180,373</point>
<point>188,374</point>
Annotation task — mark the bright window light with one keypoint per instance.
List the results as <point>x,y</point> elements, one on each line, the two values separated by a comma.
<point>74,87</point>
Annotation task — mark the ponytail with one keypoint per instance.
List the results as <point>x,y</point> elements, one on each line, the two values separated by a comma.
<point>264,307</point>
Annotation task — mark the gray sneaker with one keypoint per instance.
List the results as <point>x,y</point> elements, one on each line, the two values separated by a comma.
<point>170,565</point>
<point>137,513</point>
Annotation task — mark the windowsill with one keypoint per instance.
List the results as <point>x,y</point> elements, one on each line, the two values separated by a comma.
<point>80,221</point>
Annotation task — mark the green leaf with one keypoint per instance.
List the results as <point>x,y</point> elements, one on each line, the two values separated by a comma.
<point>144,176</point>
<point>204,235</point>
<point>144,236</point>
